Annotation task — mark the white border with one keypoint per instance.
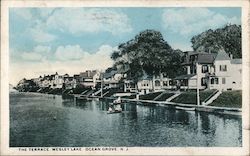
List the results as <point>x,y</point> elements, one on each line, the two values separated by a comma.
<point>244,4</point>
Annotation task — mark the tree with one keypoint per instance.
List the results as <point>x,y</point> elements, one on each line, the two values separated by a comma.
<point>228,38</point>
<point>147,54</point>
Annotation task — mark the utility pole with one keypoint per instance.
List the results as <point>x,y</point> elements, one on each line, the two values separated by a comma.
<point>197,85</point>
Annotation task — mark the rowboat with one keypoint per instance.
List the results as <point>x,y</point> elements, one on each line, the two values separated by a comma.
<point>185,108</point>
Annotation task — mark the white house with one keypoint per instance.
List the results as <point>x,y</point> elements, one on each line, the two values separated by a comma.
<point>214,71</point>
<point>111,78</point>
<point>56,81</point>
<point>227,73</point>
<point>154,83</point>
<point>89,78</point>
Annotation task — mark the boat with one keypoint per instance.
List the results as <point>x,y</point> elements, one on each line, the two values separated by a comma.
<point>185,108</point>
<point>115,109</point>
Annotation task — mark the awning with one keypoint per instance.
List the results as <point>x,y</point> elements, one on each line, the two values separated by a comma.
<point>183,77</point>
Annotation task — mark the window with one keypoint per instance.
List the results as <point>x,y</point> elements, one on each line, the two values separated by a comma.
<point>165,83</point>
<point>212,81</point>
<point>223,80</point>
<point>184,82</point>
<point>216,80</point>
<point>157,83</point>
<point>203,81</point>
<point>193,69</point>
<point>204,69</point>
<point>223,67</point>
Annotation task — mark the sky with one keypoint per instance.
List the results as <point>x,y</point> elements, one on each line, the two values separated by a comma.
<point>71,40</point>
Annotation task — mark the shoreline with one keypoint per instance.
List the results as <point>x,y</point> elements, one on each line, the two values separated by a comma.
<point>180,106</point>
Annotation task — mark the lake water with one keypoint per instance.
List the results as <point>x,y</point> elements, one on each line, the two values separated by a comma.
<point>41,120</point>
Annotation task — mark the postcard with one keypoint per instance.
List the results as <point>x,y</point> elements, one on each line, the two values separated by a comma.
<point>124,77</point>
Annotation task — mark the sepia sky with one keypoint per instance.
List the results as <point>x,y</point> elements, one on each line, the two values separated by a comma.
<point>70,40</point>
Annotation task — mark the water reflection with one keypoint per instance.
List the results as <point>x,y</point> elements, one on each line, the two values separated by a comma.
<point>86,123</point>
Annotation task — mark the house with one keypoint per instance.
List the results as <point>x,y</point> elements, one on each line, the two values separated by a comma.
<point>45,81</point>
<point>69,82</point>
<point>56,80</point>
<point>89,78</point>
<point>111,78</point>
<point>38,81</point>
<point>162,81</point>
<point>156,82</point>
<point>210,71</point>
<point>227,73</point>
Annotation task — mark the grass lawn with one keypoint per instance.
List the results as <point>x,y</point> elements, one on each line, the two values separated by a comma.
<point>149,96</point>
<point>190,97</point>
<point>165,96</point>
<point>229,99</point>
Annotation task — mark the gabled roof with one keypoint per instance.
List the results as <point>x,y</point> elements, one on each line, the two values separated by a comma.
<point>205,58</point>
<point>222,55</point>
<point>200,57</point>
<point>236,61</point>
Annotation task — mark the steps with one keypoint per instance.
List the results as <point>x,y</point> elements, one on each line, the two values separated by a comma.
<point>157,97</point>
<point>210,100</point>
<point>97,92</point>
<point>174,96</point>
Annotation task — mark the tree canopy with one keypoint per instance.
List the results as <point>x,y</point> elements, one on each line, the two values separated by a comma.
<point>148,53</point>
<point>227,38</point>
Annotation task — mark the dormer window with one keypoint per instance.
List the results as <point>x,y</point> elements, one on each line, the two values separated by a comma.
<point>204,69</point>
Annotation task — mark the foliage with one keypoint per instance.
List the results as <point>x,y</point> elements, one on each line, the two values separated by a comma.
<point>227,38</point>
<point>147,54</point>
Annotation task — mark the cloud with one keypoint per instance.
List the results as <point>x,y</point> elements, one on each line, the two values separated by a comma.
<point>30,56</point>
<point>190,21</point>
<point>41,36</point>
<point>75,21</point>
<point>36,63</point>
<point>69,52</point>
<point>37,54</point>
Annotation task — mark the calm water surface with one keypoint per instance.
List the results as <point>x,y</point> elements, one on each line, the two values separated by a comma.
<point>40,120</point>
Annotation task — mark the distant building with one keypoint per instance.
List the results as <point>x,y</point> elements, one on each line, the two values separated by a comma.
<point>68,82</point>
<point>214,71</point>
<point>89,78</point>
<point>153,83</point>
<point>111,78</point>
<point>56,80</point>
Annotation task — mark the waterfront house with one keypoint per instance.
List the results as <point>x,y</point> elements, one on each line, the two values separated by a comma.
<point>45,81</point>
<point>56,80</point>
<point>111,78</point>
<point>212,71</point>
<point>89,78</point>
<point>227,73</point>
<point>156,82</point>
<point>38,81</point>
<point>69,82</point>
